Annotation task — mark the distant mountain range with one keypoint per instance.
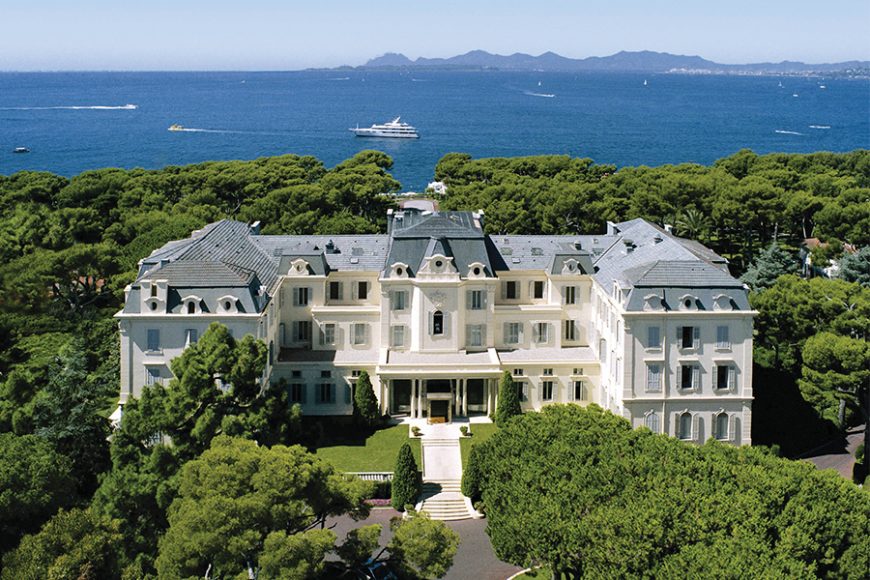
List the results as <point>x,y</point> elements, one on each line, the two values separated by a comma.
<point>642,61</point>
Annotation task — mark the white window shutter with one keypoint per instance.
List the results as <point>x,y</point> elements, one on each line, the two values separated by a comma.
<point>733,435</point>
<point>295,296</point>
<point>679,335</point>
<point>520,333</point>
<point>696,377</point>
<point>535,334</point>
<point>732,378</point>
<point>507,331</point>
<point>468,299</point>
<point>282,331</point>
<point>483,294</point>
<point>504,290</point>
<point>696,338</point>
<point>431,323</point>
<point>696,427</point>
<point>525,391</point>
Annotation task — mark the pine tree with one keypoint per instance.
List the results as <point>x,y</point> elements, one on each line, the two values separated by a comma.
<point>365,404</point>
<point>406,479</point>
<point>508,400</point>
<point>768,266</point>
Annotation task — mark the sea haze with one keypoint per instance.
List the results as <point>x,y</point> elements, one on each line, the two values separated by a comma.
<point>73,122</point>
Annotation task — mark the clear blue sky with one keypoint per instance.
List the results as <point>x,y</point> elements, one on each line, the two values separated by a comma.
<point>285,35</point>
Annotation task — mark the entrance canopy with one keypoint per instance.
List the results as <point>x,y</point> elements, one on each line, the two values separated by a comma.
<point>448,364</point>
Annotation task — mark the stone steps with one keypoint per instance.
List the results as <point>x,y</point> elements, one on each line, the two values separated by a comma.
<point>446,506</point>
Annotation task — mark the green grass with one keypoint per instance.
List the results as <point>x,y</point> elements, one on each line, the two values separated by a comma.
<point>377,452</point>
<point>480,432</point>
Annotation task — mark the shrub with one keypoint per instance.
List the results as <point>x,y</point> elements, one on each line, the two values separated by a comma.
<point>406,479</point>
<point>508,400</point>
<point>415,431</point>
<point>472,476</point>
<point>383,490</point>
<point>365,404</point>
<point>464,430</point>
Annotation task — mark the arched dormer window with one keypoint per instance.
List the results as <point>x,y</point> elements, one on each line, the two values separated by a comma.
<point>688,302</point>
<point>399,270</point>
<point>227,304</point>
<point>153,290</point>
<point>653,302</point>
<point>299,267</point>
<point>191,307</point>
<point>571,266</point>
<point>438,322</point>
<point>476,270</point>
<point>722,302</point>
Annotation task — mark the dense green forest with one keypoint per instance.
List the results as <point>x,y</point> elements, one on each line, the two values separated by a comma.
<point>68,247</point>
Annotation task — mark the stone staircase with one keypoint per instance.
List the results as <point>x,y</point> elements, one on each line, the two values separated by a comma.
<point>442,498</point>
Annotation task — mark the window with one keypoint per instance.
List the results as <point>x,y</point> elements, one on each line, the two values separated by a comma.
<point>570,330</point>
<point>474,335</point>
<point>335,291</point>
<point>360,332</point>
<point>542,332</point>
<point>725,377</point>
<point>475,299</point>
<point>153,339</point>
<point>397,337</point>
<point>517,372</point>
<point>652,422</point>
<point>326,393</point>
<point>722,339</point>
<point>653,337</point>
<point>153,290</point>
<point>438,322</point>
<point>538,289</point>
<point>362,290</point>
<point>689,336</point>
<point>684,426</point>
<point>399,300</point>
<point>191,307</point>
<point>548,372</point>
<point>297,393</point>
<point>577,371</point>
<point>327,336</point>
<point>689,376</point>
<point>570,295</point>
<point>296,374</point>
<point>325,374</point>
<point>355,373</point>
<point>512,331</point>
<point>190,336</point>
<point>228,305</point>
<point>720,426</point>
<point>302,330</point>
<point>511,290</point>
<point>581,393</point>
<point>653,377</point>
<point>152,376</point>
<point>300,296</point>
<point>547,391</point>
<point>522,388</point>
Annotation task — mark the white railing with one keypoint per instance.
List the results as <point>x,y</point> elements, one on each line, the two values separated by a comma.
<point>372,475</point>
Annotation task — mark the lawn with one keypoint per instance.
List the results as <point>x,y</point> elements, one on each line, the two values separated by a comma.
<point>377,452</point>
<point>480,432</point>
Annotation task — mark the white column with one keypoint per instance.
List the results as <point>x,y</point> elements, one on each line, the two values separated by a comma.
<point>465,397</point>
<point>413,398</point>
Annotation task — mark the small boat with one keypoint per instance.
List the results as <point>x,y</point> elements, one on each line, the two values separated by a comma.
<point>176,127</point>
<point>21,150</point>
<point>780,84</point>
<point>794,94</point>
<point>393,129</point>
<point>822,87</point>
<point>645,83</point>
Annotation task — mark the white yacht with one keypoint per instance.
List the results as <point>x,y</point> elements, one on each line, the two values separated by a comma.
<point>394,129</point>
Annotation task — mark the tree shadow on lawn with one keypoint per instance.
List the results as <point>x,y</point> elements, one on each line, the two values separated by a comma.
<point>320,432</point>
<point>781,416</point>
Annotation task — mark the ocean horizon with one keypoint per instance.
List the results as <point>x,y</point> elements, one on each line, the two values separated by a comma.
<point>78,121</point>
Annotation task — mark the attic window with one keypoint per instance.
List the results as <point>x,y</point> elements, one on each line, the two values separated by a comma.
<point>537,252</point>
<point>438,263</point>
<point>153,290</point>
<point>687,303</point>
<point>153,306</point>
<point>300,267</point>
<point>476,270</point>
<point>400,271</point>
<point>227,305</point>
<point>191,307</point>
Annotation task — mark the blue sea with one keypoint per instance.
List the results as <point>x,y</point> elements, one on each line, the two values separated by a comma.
<point>73,122</point>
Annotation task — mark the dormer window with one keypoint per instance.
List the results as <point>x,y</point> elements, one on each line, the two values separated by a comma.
<point>399,270</point>
<point>571,266</point>
<point>298,267</point>
<point>191,307</point>
<point>228,304</point>
<point>688,302</point>
<point>653,302</point>
<point>722,302</point>
<point>476,270</point>
<point>438,322</point>
<point>153,290</point>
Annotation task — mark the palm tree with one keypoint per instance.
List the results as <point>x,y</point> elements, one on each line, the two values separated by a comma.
<point>693,223</point>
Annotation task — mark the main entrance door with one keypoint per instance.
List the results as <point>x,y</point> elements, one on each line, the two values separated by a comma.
<point>401,399</point>
<point>476,395</point>
<point>439,410</point>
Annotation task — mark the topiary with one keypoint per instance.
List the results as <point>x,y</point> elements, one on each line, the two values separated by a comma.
<point>508,400</point>
<point>406,479</point>
<point>365,404</point>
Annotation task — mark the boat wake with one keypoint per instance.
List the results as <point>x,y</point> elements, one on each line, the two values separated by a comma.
<point>224,131</point>
<point>544,95</point>
<point>820,126</point>
<point>339,79</point>
<point>784,132</point>
<point>127,107</point>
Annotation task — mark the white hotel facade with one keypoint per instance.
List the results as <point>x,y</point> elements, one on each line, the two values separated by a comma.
<point>638,321</point>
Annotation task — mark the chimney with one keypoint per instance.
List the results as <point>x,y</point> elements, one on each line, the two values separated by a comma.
<point>578,245</point>
<point>389,221</point>
<point>612,230</point>
<point>669,228</point>
<point>254,228</point>
<point>330,247</point>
